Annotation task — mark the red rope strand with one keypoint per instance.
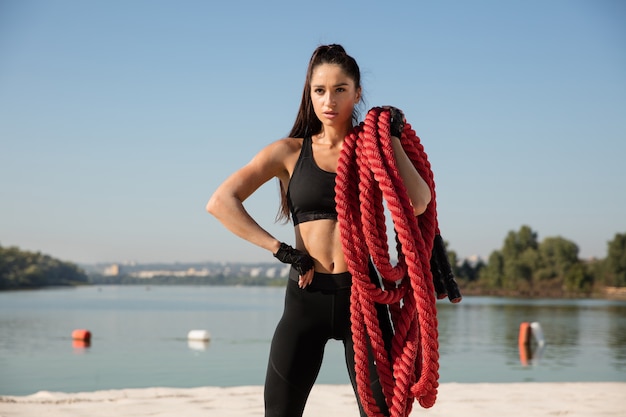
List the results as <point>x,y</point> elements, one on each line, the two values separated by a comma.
<point>367,178</point>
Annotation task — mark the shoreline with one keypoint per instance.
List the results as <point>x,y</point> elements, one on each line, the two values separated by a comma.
<point>606,293</point>
<point>517,399</point>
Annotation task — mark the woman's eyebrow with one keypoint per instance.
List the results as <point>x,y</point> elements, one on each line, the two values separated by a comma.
<point>336,85</point>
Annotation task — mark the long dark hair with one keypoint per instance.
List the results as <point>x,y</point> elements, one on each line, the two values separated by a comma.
<point>306,122</point>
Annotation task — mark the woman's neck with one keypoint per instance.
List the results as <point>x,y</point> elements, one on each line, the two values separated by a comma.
<point>331,136</point>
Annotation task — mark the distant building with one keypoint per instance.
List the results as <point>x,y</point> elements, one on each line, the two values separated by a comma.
<point>112,270</point>
<point>269,270</point>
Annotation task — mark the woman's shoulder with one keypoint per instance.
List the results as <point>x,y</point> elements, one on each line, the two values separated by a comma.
<point>279,152</point>
<point>295,143</point>
<point>286,146</point>
<point>278,157</point>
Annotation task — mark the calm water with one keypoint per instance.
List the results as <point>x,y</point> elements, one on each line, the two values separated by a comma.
<point>140,339</point>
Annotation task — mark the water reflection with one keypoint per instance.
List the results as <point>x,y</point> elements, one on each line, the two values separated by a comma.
<point>581,336</point>
<point>531,343</point>
<point>198,345</point>
<point>81,344</point>
<point>141,338</point>
<point>616,335</point>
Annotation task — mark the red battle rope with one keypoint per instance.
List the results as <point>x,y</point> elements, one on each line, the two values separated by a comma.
<point>367,178</point>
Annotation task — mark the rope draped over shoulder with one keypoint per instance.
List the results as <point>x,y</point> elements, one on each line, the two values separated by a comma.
<point>367,178</point>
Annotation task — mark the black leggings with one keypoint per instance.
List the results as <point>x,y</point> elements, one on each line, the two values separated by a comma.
<point>311,317</point>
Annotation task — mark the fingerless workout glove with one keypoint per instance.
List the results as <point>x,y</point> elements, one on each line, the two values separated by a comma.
<point>396,122</point>
<point>301,261</point>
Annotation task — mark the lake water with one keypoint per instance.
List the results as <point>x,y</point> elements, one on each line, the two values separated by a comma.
<point>139,339</point>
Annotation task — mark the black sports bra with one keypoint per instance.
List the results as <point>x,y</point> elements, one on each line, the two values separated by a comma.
<point>311,190</point>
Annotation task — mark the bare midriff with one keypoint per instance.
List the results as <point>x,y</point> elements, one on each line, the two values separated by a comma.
<point>321,239</point>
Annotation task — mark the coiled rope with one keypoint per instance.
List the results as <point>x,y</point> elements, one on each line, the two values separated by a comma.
<point>367,178</point>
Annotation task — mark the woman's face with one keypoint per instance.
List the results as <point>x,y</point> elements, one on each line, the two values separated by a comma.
<point>334,95</point>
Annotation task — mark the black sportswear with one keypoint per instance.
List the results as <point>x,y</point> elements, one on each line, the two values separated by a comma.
<point>311,190</point>
<point>312,316</point>
<point>317,313</point>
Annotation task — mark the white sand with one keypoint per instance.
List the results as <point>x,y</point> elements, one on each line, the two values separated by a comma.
<point>601,399</point>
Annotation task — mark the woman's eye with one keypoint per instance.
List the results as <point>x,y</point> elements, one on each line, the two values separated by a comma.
<point>318,91</point>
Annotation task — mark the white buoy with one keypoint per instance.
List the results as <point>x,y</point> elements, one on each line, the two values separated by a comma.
<point>199,335</point>
<point>198,345</point>
<point>535,328</point>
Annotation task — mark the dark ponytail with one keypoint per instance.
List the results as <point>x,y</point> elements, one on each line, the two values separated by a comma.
<point>307,123</point>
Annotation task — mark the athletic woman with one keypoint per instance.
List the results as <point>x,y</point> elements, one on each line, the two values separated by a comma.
<point>317,300</point>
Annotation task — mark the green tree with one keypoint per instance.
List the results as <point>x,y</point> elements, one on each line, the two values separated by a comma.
<point>492,275</point>
<point>520,259</point>
<point>470,271</point>
<point>577,279</point>
<point>453,260</point>
<point>559,266</point>
<point>24,269</point>
<point>556,257</point>
<point>615,263</point>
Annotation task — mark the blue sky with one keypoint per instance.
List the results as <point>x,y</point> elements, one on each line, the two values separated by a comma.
<point>119,118</point>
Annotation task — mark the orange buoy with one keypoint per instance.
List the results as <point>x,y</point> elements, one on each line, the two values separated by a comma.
<point>81,334</point>
<point>80,344</point>
<point>524,334</point>
<point>525,354</point>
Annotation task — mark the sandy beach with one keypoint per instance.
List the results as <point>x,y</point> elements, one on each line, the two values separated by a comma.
<point>588,399</point>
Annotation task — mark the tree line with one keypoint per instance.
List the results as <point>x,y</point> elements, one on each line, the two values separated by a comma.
<point>525,266</point>
<point>23,269</point>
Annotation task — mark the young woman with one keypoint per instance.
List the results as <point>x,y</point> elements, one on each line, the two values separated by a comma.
<point>317,300</point>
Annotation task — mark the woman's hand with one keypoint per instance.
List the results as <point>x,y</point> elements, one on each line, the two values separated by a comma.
<point>301,262</point>
<point>306,279</point>
<point>396,121</point>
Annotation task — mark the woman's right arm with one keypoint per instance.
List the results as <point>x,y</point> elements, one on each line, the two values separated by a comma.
<point>226,203</point>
